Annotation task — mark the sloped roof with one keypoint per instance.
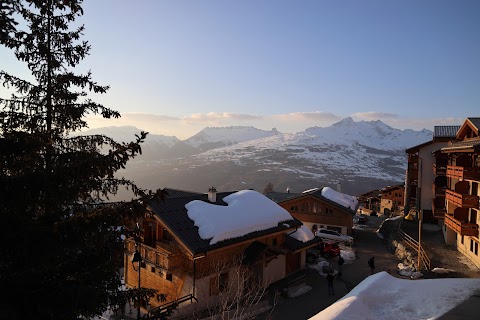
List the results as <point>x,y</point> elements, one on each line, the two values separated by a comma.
<point>295,245</point>
<point>399,186</point>
<point>445,131</point>
<point>475,122</point>
<point>173,214</point>
<point>280,196</point>
<point>440,133</point>
<point>472,123</point>
<point>317,193</point>
<point>473,144</point>
<point>177,193</point>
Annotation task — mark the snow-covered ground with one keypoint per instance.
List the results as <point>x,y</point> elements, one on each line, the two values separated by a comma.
<point>382,296</point>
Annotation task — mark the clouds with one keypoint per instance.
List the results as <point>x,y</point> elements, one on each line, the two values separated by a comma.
<point>402,122</point>
<point>219,117</point>
<point>185,127</point>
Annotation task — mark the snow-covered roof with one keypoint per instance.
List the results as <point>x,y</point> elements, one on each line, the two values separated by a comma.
<point>382,296</point>
<point>340,198</point>
<point>246,211</point>
<point>303,234</point>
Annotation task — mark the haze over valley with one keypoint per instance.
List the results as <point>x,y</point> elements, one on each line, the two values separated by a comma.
<point>361,156</point>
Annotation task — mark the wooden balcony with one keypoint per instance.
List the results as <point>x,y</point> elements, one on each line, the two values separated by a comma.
<point>438,208</point>
<point>439,169</point>
<point>462,200</point>
<point>439,213</point>
<point>156,256</point>
<point>460,227</point>
<point>463,173</point>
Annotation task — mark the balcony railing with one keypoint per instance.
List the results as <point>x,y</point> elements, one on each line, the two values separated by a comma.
<point>463,173</point>
<point>157,257</point>
<point>438,211</point>
<point>462,200</point>
<point>440,169</point>
<point>460,227</point>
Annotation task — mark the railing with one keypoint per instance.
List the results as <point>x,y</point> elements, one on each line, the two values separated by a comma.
<point>440,169</point>
<point>461,173</point>
<point>438,211</point>
<point>463,228</point>
<point>157,312</point>
<point>157,257</point>
<point>462,200</point>
<point>414,245</point>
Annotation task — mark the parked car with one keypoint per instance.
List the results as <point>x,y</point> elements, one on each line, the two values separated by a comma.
<point>334,235</point>
<point>360,219</point>
<point>324,249</point>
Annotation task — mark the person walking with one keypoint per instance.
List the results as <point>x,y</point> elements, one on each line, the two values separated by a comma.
<point>371,264</point>
<point>330,283</point>
<point>340,265</point>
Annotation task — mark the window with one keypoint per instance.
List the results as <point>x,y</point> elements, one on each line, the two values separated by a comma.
<point>471,245</point>
<point>223,282</point>
<point>218,284</point>
<point>169,277</point>
<point>462,239</point>
<point>152,269</point>
<point>476,248</point>
<point>473,216</point>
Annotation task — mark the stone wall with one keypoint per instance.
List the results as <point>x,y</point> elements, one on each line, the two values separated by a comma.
<point>389,230</point>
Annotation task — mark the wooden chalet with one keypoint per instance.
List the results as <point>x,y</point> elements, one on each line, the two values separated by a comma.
<point>187,270</point>
<point>462,203</point>
<point>316,211</point>
<point>425,180</point>
<point>391,198</point>
<point>369,202</point>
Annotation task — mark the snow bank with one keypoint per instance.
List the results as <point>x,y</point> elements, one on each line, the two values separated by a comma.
<point>348,255</point>
<point>340,198</point>
<point>441,270</point>
<point>303,234</point>
<point>247,211</point>
<point>382,296</point>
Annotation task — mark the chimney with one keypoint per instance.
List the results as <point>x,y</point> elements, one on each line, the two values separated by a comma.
<point>212,194</point>
<point>339,186</point>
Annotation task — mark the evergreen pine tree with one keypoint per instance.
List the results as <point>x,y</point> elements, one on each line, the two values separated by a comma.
<point>59,239</point>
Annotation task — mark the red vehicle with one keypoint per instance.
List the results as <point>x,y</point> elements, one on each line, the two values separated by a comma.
<point>324,249</point>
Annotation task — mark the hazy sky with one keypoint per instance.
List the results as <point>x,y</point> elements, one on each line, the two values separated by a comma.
<point>175,67</point>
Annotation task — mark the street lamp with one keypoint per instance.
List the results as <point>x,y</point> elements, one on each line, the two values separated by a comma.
<point>137,257</point>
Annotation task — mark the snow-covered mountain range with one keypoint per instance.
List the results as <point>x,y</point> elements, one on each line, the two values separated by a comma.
<point>359,155</point>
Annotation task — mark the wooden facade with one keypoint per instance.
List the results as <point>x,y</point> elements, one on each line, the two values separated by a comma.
<point>178,268</point>
<point>392,198</point>
<point>425,181</point>
<point>462,202</point>
<point>315,211</point>
<point>369,202</point>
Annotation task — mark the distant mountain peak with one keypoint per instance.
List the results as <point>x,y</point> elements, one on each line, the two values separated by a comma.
<point>347,122</point>
<point>216,137</point>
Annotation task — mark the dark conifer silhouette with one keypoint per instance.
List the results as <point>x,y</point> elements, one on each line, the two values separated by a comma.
<point>60,242</point>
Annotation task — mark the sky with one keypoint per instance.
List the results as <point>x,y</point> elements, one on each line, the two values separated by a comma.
<point>175,67</point>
